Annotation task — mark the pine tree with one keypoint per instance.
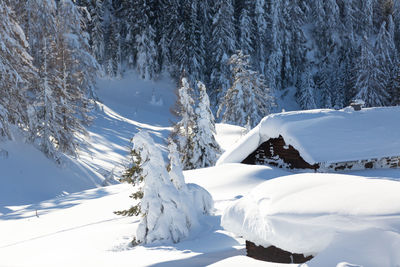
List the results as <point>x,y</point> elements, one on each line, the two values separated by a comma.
<point>113,50</point>
<point>145,38</point>
<point>387,57</point>
<point>222,45</point>
<point>66,79</point>
<point>205,147</point>
<point>146,54</point>
<point>163,218</point>
<point>305,94</point>
<point>134,175</point>
<point>165,214</point>
<point>183,130</point>
<point>246,34</point>
<point>260,32</point>
<point>130,14</point>
<point>275,60</point>
<point>17,73</point>
<point>96,30</point>
<point>369,83</point>
<point>248,100</point>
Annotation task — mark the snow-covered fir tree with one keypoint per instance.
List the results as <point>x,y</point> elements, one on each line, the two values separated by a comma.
<point>164,217</point>
<point>205,147</point>
<point>175,166</point>
<point>222,45</point>
<point>246,34</point>
<point>306,92</point>
<point>147,53</point>
<point>249,99</point>
<point>146,58</point>
<point>369,82</point>
<point>260,28</point>
<point>17,73</point>
<point>183,129</point>
<point>283,39</point>
<point>96,29</point>
<point>169,208</point>
<point>275,58</point>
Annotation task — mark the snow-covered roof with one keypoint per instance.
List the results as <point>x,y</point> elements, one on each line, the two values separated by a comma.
<point>325,135</point>
<point>303,213</point>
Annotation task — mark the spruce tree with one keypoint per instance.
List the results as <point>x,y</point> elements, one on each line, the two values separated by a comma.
<point>275,59</point>
<point>369,83</point>
<point>66,76</point>
<point>387,57</point>
<point>183,130</point>
<point>205,147</point>
<point>165,215</point>
<point>222,45</point>
<point>306,91</point>
<point>17,73</point>
<point>246,34</point>
<point>96,29</point>
<point>248,100</point>
<point>260,32</point>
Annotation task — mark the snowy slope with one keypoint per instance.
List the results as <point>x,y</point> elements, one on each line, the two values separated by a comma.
<point>327,135</point>
<point>128,105</point>
<point>81,230</point>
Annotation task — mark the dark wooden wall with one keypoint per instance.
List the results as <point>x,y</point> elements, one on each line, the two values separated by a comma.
<point>274,254</point>
<point>276,152</point>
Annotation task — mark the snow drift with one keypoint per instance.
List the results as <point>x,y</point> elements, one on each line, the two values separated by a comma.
<point>304,213</point>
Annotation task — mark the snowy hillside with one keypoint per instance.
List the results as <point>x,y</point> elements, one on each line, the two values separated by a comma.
<point>64,216</point>
<point>130,104</point>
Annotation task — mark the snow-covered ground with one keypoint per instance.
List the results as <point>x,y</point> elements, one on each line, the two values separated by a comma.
<point>51,216</point>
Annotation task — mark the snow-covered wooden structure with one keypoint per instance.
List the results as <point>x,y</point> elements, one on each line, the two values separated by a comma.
<point>293,218</point>
<point>323,140</point>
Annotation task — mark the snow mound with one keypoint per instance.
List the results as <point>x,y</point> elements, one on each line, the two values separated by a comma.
<point>304,213</point>
<point>327,135</point>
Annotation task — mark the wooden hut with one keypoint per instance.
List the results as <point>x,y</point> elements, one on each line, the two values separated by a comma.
<point>323,140</point>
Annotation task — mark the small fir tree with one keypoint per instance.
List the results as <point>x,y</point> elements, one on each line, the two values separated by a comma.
<point>166,214</point>
<point>183,130</point>
<point>134,175</point>
<point>205,147</point>
<point>305,94</point>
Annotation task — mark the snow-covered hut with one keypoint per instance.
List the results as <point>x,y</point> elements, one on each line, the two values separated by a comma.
<point>323,140</point>
<point>294,218</point>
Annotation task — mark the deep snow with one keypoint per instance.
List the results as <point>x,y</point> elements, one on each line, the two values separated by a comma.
<point>291,211</point>
<point>64,216</point>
